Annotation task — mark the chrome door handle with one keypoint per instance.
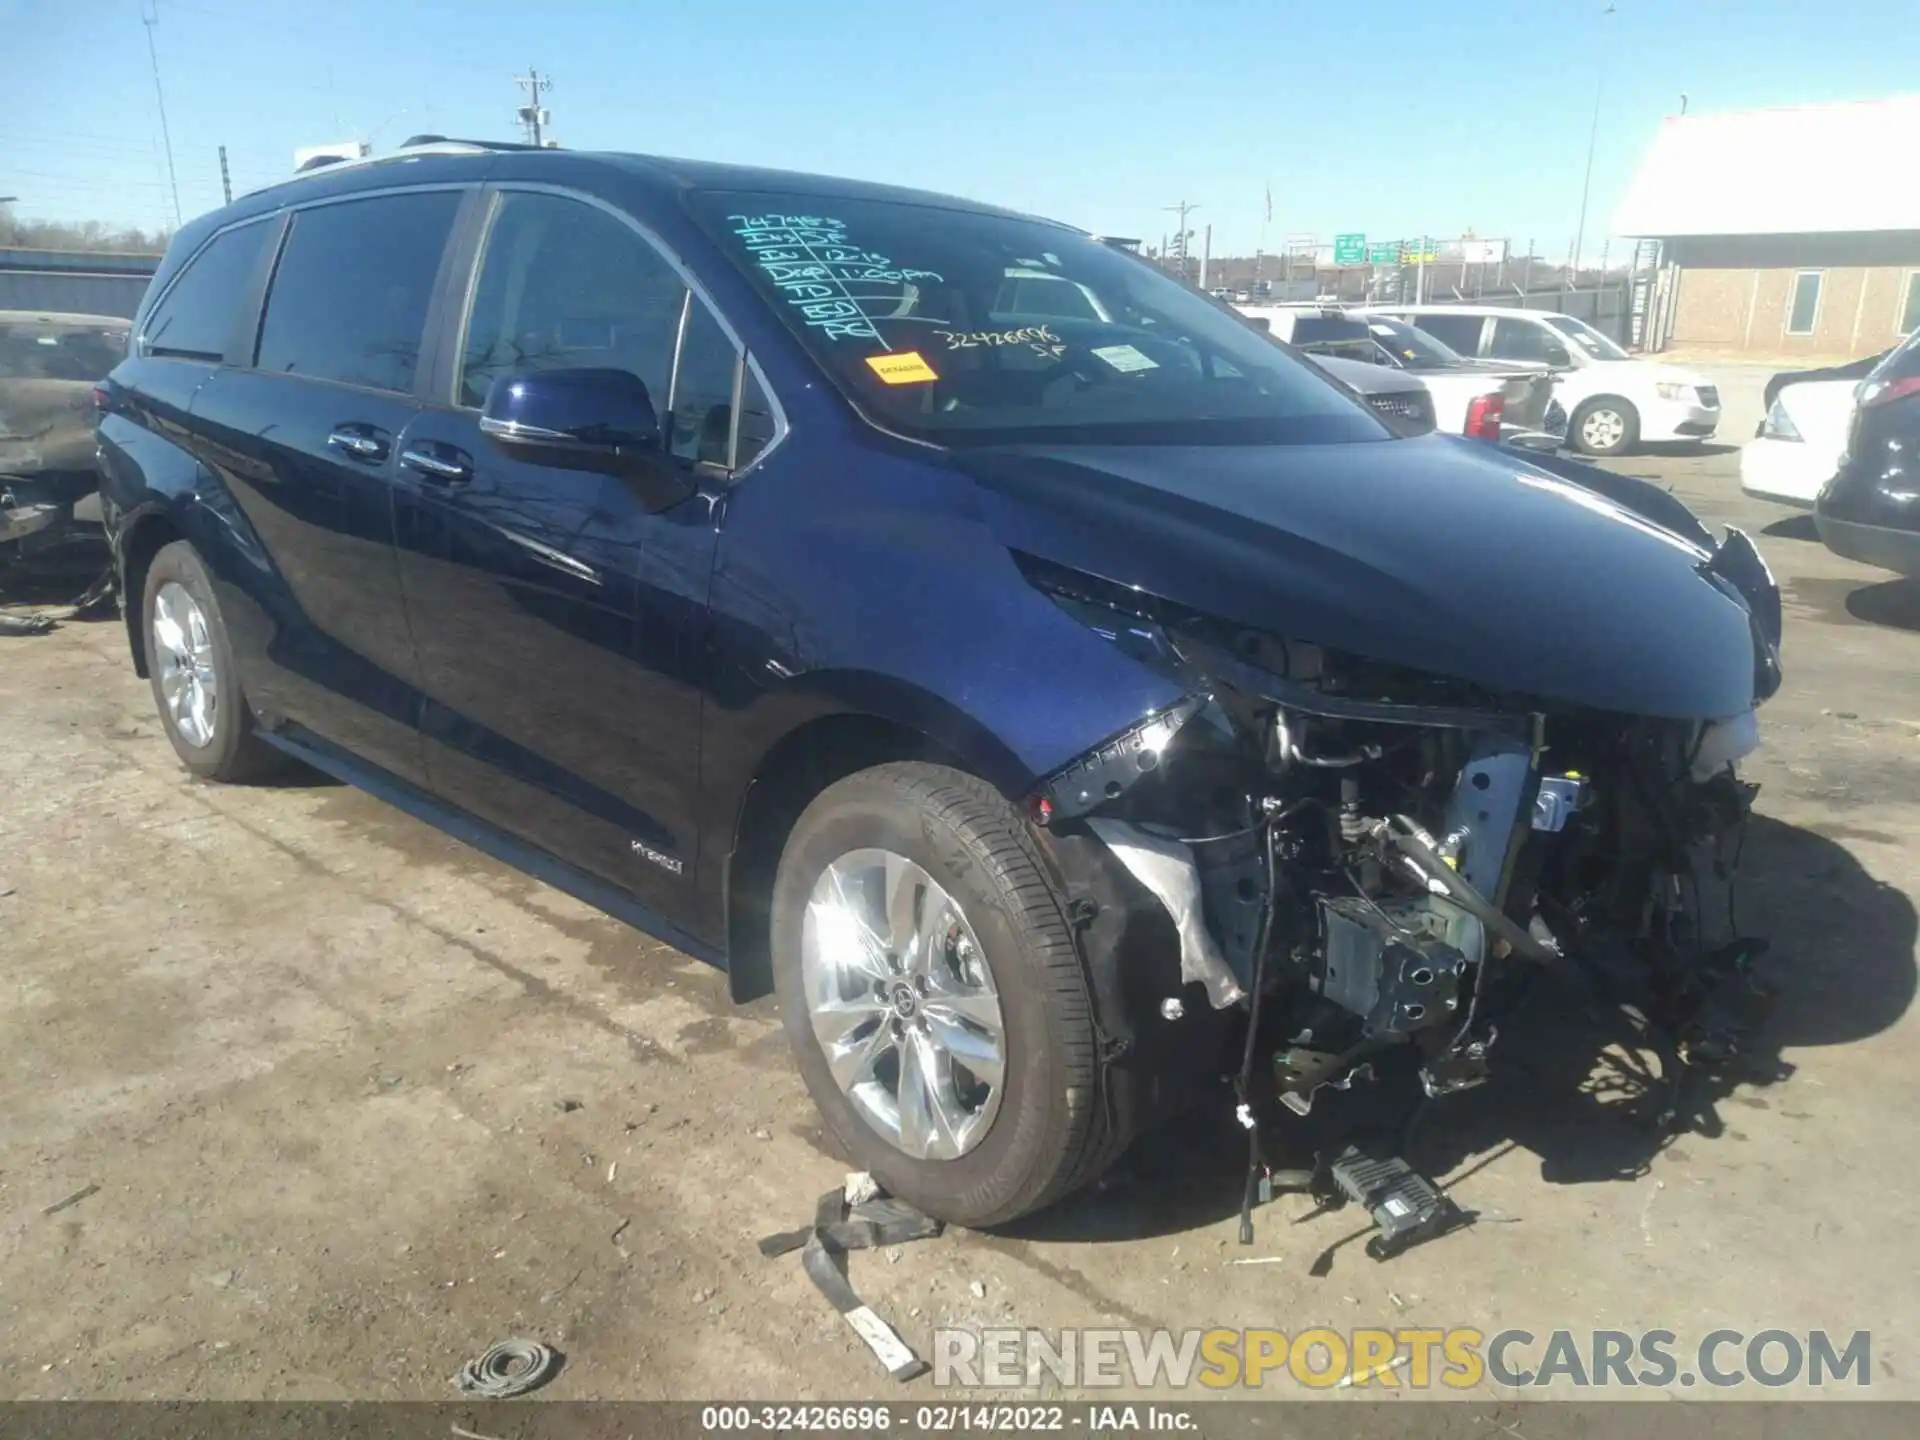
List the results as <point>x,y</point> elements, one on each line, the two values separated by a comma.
<point>441,467</point>
<point>359,441</point>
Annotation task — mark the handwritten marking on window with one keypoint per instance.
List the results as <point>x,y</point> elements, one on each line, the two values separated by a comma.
<point>1038,336</point>
<point>824,275</point>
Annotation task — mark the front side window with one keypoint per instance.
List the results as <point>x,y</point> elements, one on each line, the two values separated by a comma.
<point>564,285</point>
<point>350,295</point>
<point>1522,340</point>
<point>196,318</point>
<point>1805,306</point>
<point>964,327</point>
<point>1457,332</point>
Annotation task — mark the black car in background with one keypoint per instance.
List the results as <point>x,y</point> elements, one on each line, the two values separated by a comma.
<point>1870,510</point>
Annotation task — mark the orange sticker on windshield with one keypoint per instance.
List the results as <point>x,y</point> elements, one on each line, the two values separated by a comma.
<point>906,368</point>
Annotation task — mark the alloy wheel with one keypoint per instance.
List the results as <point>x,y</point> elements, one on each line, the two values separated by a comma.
<point>1603,429</point>
<point>903,1005</point>
<point>182,653</point>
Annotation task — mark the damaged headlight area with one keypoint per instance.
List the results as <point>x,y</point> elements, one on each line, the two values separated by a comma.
<point>1385,857</point>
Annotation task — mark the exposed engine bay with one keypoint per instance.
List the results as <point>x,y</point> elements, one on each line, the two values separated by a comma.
<point>1370,858</point>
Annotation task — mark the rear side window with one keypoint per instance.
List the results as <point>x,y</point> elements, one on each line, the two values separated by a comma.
<point>1459,333</point>
<point>197,317</point>
<point>564,285</point>
<point>350,294</point>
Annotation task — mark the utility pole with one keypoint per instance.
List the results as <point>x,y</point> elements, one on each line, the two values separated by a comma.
<point>1593,136</point>
<point>226,181</point>
<point>532,118</point>
<point>150,17</point>
<point>1206,256</point>
<point>1182,209</point>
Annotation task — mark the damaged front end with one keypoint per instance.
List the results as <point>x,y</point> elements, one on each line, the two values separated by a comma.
<point>1383,857</point>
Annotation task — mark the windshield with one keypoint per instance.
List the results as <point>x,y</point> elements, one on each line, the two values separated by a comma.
<point>967,328</point>
<point>1411,347</point>
<point>57,352</point>
<point>1587,338</point>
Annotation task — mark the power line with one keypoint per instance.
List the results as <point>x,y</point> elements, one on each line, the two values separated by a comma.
<point>149,18</point>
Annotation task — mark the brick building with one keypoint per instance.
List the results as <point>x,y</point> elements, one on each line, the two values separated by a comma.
<point>1782,232</point>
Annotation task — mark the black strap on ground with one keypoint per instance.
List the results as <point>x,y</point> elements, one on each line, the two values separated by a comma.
<point>823,1248</point>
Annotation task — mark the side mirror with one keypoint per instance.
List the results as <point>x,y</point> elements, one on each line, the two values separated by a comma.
<point>1556,354</point>
<point>599,420</point>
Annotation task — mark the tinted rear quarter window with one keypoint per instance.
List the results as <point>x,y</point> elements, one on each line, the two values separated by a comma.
<point>350,295</point>
<point>198,316</point>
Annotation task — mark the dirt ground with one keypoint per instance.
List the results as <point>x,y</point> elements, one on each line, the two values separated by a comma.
<point>358,1101</point>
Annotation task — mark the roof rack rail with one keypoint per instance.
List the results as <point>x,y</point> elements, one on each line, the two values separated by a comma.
<point>413,140</point>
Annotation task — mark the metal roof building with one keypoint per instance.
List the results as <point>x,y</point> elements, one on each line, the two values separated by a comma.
<point>1790,231</point>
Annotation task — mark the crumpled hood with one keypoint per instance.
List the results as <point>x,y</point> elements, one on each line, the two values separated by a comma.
<point>1440,554</point>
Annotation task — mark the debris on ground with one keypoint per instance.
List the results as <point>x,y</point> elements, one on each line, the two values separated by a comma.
<point>979,1288</point>
<point>839,1227</point>
<point>860,1188</point>
<point>513,1367</point>
<point>71,1200</point>
<point>1372,1372</point>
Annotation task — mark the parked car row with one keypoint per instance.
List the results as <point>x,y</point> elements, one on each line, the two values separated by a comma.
<point>1842,442</point>
<point>1482,400</point>
<point>1613,401</point>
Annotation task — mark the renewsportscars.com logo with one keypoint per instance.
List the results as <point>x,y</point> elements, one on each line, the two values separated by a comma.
<point>1419,1359</point>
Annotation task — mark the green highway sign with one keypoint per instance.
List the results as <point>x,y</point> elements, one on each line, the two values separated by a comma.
<point>1388,254</point>
<point>1350,249</point>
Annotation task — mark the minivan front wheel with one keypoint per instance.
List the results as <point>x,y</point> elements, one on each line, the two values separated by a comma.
<point>1605,427</point>
<point>933,998</point>
<point>196,685</point>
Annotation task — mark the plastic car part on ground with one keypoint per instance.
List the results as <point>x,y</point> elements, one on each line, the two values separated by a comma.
<point>839,1227</point>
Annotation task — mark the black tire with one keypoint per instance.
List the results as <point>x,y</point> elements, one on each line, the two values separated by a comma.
<point>1625,436</point>
<point>1052,1132</point>
<point>235,753</point>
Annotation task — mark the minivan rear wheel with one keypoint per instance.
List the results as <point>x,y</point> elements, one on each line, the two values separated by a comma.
<point>196,685</point>
<point>933,997</point>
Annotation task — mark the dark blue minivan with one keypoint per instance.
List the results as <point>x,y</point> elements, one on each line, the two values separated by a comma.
<point>1045,682</point>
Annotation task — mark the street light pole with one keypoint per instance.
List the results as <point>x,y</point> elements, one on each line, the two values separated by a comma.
<point>1593,136</point>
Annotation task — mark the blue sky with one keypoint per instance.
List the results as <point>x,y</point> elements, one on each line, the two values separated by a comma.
<point>1384,116</point>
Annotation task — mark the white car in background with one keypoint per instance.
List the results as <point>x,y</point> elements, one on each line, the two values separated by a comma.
<point>1614,401</point>
<point>1799,445</point>
<point>1482,402</point>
